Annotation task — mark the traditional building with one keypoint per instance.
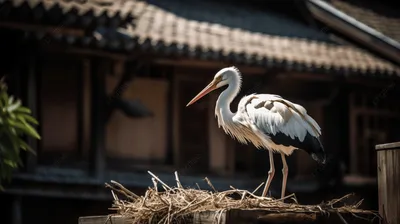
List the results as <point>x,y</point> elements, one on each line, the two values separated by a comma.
<point>109,81</point>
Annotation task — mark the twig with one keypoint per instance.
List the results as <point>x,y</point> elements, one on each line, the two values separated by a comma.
<point>114,196</point>
<point>124,189</point>
<point>334,201</point>
<point>341,218</point>
<point>255,190</point>
<point>289,196</point>
<point>121,191</point>
<point>155,184</point>
<point>178,183</point>
<point>210,184</point>
<point>165,185</point>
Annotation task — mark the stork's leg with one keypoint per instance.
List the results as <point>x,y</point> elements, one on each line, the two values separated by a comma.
<point>271,173</point>
<point>285,171</point>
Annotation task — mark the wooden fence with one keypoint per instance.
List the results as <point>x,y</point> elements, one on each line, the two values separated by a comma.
<point>388,156</point>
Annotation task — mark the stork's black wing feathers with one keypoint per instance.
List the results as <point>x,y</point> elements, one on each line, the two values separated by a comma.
<point>312,145</point>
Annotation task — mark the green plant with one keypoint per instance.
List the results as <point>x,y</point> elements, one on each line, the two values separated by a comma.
<point>15,123</point>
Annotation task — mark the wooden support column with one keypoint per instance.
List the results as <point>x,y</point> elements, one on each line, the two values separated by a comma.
<point>176,122</point>
<point>353,136</point>
<point>169,157</point>
<point>31,97</point>
<point>16,210</point>
<point>388,156</point>
<point>80,105</point>
<point>98,105</point>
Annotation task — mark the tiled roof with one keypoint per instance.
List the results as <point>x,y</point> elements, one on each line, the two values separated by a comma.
<point>209,30</point>
<point>217,31</point>
<point>378,16</point>
<point>112,13</point>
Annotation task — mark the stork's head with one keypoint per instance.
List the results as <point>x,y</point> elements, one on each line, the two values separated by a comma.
<point>223,77</point>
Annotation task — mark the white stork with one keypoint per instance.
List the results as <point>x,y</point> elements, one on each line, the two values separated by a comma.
<point>268,121</point>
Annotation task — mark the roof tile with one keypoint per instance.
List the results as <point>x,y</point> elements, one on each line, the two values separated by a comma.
<point>108,8</point>
<point>381,20</point>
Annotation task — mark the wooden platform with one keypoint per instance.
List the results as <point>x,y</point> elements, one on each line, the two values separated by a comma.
<point>244,217</point>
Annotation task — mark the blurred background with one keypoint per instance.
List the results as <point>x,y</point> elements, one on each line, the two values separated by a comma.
<point>108,81</point>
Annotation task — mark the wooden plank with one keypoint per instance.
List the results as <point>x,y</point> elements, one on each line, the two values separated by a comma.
<point>102,220</point>
<point>393,145</point>
<point>40,28</point>
<point>81,52</point>
<point>193,63</point>
<point>388,157</point>
<point>239,216</point>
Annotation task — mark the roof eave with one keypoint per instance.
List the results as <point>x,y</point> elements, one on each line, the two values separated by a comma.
<point>371,38</point>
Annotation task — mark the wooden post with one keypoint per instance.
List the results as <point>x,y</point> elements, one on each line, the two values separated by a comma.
<point>16,210</point>
<point>388,156</point>
<point>31,84</point>
<point>97,148</point>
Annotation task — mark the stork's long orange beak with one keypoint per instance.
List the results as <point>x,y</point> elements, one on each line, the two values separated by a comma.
<point>210,87</point>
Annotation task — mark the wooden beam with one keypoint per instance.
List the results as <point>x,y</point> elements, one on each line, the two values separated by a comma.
<point>97,148</point>
<point>388,156</point>
<point>86,52</point>
<point>307,76</point>
<point>191,63</point>
<point>45,29</point>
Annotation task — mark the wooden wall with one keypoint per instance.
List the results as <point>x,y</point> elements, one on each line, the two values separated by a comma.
<point>140,138</point>
<point>127,138</point>
<point>58,105</point>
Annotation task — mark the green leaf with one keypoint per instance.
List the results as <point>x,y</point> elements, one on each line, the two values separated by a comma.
<point>23,110</point>
<point>11,163</point>
<point>10,100</point>
<point>14,106</point>
<point>28,118</point>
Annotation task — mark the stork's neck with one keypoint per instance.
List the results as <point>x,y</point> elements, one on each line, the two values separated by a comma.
<point>222,109</point>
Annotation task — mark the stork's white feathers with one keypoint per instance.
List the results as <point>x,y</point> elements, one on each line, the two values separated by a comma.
<point>269,114</point>
<point>272,114</point>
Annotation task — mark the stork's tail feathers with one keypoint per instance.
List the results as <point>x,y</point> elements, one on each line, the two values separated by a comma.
<point>317,152</point>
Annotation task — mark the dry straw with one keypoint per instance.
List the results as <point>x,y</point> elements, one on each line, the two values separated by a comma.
<point>175,204</point>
